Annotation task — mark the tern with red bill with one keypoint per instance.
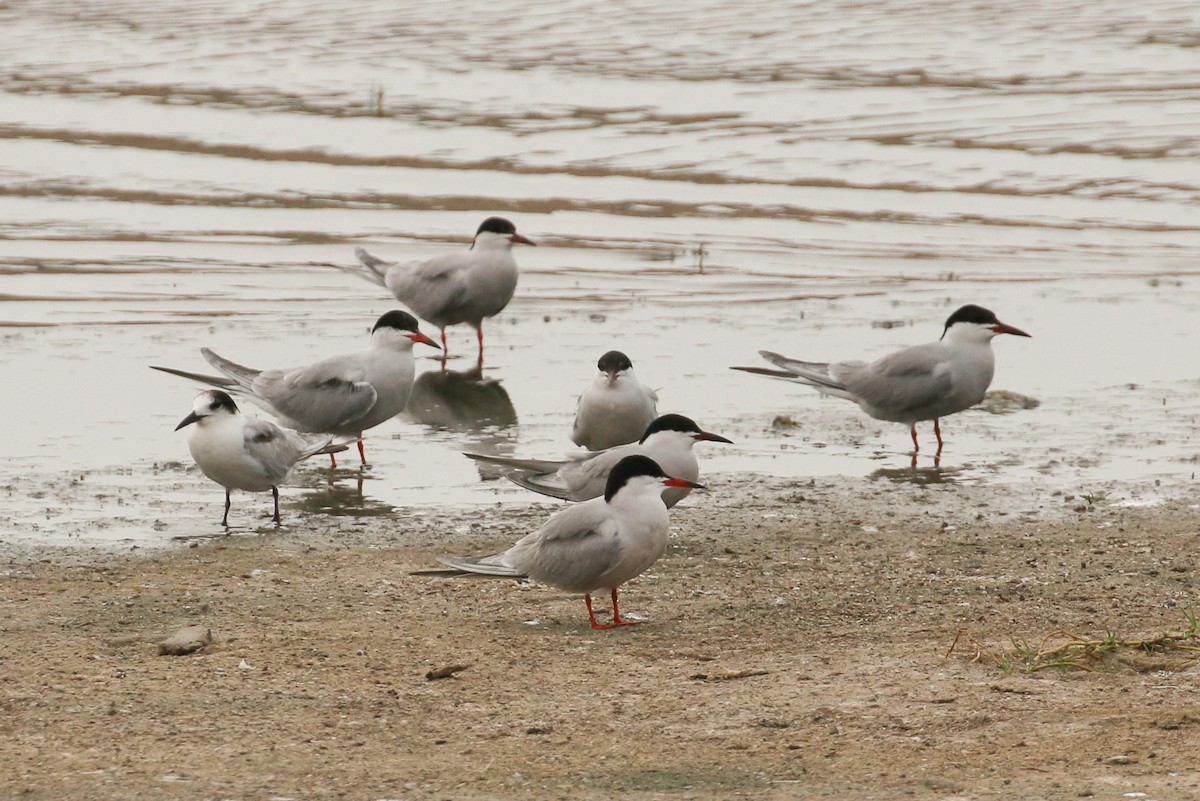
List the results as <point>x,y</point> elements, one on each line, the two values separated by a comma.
<point>668,441</point>
<point>454,288</point>
<point>616,408</point>
<point>595,545</point>
<point>924,382</point>
<point>343,395</point>
<point>242,453</point>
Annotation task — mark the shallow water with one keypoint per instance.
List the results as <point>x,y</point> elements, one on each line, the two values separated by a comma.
<point>705,180</point>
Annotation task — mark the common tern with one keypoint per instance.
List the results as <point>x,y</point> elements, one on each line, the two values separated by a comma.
<point>923,382</point>
<point>244,453</point>
<point>616,408</point>
<point>668,441</point>
<point>595,545</point>
<point>342,395</point>
<point>456,287</point>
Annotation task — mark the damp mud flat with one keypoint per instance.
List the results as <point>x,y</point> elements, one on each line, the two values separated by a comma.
<point>801,639</point>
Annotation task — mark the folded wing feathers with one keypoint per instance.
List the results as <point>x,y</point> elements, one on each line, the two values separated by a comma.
<point>482,565</point>
<point>530,481</point>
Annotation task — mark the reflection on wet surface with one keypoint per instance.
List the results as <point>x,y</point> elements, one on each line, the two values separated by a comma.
<point>460,401</point>
<point>705,180</point>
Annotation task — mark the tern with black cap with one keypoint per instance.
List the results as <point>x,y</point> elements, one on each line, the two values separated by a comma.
<point>595,545</point>
<point>454,288</point>
<point>668,441</point>
<point>344,395</point>
<point>616,408</point>
<point>923,382</point>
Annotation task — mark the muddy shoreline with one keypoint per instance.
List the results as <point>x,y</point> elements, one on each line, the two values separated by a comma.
<point>795,645</point>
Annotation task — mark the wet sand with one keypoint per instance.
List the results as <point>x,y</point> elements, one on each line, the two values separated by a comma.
<point>796,644</point>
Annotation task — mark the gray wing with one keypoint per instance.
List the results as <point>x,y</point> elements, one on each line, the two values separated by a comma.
<point>588,476</point>
<point>905,381</point>
<point>433,289</point>
<point>327,396</point>
<point>274,448</point>
<point>572,550</point>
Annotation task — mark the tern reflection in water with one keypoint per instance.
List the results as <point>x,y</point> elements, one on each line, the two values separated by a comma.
<point>466,401</point>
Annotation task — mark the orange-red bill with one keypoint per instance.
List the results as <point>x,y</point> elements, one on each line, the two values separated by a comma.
<point>682,482</point>
<point>424,340</point>
<point>1001,328</point>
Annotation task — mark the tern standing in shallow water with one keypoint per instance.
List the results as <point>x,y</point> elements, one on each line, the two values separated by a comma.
<point>616,408</point>
<point>343,395</point>
<point>239,452</point>
<point>924,382</point>
<point>595,545</point>
<point>668,441</point>
<point>456,287</point>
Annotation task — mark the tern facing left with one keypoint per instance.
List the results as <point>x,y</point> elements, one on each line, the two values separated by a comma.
<point>616,408</point>
<point>595,545</point>
<point>243,453</point>
<point>924,382</point>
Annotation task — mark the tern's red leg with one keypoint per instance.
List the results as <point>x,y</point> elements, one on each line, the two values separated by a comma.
<point>225,519</point>
<point>362,453</point>
<point>587,599</point>
<point>617,613</point>
<point>333,461</point>
<point>275,495</point>
<point>913,431</point>
<point>479,336</point>
<point>937,430</point>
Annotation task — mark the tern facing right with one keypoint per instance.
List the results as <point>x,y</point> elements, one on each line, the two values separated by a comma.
<point>668,441</point>
<point>243,453</point>
<point>616,408</point>
<point>595,545</point>
<point>456,287</point>
<point>343,395</point>
<point>924,382</point>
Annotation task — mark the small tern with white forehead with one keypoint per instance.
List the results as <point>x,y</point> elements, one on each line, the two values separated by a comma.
<point>239,452</point>
<point>456,287</point>
<point>668,441</point>
<point>924,382</point>
<point>616,408</point>
<point>595,545</point>
<point>343,395</point>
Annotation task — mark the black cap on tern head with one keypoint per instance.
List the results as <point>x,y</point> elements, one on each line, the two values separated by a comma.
<point>973,314</point>
<point>497,225</point>
<point>684,425</point>
<point>401,320</point>
<point>627,468</point>
<point>977,315</point>
<point>614,361</point>
<point>671,422</point>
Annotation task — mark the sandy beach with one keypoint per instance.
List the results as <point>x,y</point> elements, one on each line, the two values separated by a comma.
<point>801,640</point>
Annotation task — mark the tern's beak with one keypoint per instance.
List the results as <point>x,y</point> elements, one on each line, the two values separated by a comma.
<point>517,239</point>
<point>613,375</point>
<point>187,421</point>
<point>704,436</point>
<point>1001,328</point>
<point>682,483</point>
<point>424,340</point>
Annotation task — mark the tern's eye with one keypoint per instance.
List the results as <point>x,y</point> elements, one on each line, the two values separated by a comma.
<point>214,405</point>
